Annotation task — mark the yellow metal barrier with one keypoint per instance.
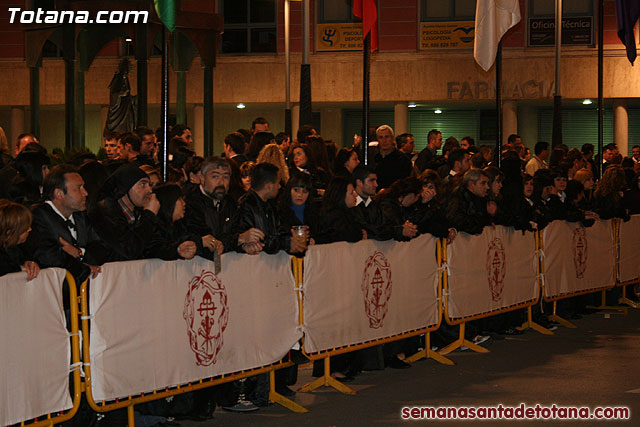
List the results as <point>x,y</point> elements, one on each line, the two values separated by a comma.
<point>51,420</point>
<point>129,402</point>
<point>461,341</point>
<point>326,379</point>
<point>623,299</point>
<point>603,289</point>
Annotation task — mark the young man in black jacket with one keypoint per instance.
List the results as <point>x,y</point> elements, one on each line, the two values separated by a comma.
<point>257,212</point>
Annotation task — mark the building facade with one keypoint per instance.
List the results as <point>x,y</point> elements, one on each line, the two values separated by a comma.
<point>423,76</point>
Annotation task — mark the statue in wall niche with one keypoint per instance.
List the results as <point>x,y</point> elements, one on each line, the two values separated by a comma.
<point>122,105</point>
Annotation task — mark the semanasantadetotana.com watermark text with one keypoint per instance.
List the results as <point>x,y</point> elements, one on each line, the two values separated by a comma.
<point>521,412</point>
<point>41,16</point>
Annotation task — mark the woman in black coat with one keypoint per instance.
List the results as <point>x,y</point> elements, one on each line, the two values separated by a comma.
<point>397,203</point>
<point>170,239</point>
<point>15,225</point>
<point>337,221</point>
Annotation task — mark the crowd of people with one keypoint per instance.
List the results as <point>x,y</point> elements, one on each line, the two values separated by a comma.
<point>268,193</point>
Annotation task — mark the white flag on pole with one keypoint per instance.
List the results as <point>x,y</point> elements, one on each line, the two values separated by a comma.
<point>493,19</point>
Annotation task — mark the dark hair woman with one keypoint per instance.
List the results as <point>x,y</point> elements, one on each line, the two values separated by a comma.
<point>428,213</point>
<point>295,207</point>
<point>346,161</point>
<point>32,167</point>
<point>15,225</point>
<point>303,160</point>
<point>608,194</point>
<point>396,203</point>
<point>337,222</point>
<point>170,239</point>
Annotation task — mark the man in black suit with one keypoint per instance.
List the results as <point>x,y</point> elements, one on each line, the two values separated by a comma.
<point>211,212</point>
<point>62,235</point>
<point>234,148</point>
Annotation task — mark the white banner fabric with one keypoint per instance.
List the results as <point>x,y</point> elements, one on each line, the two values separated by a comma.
<point>491,271</point>
<point>629,249</point>
<point>35,354</point>
<point>163,323</point>
<point>578,258</point>
<point>368,290</point>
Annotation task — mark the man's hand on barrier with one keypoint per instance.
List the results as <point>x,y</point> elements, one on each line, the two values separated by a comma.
<point>365,236</point>
<point>253,248</point>
<point>187,250</point>
<point>95,270</point>
<point>591,215</point>
<point>452,235</point>
<point>252,235</point>
<point>32,269</point>
<point>212,244</point>
<point>409,229</point>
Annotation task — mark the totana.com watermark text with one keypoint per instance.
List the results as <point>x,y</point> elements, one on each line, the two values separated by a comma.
<point>41,16</point>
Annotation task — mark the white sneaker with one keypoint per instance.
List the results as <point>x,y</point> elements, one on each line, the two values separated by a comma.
<point>479,339</point>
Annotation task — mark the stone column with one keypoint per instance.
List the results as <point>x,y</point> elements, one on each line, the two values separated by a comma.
<point>509,119</point>
<point>17,127</point>
<point>401,118</point>
<point>198,129</point>
<point>620,126</point>
<point>295,121</point>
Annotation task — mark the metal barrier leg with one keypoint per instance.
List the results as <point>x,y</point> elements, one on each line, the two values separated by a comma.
<point>627,301</point>
<point>603,305</point>
<point>530,324</point>
<point>327,380</point>
<point>564,322</point>
<point>427,353</point>
<point>130,416</point>
<point>280,399</point>
<point>461,341</point>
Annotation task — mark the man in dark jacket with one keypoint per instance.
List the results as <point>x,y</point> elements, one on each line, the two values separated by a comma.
<point>367,212</point>
<point>62,235</point>
<point>469,210</point>
<point>126,218</point>
<point>256,211</point>
<point>391,164</point>
<point>211,212</point>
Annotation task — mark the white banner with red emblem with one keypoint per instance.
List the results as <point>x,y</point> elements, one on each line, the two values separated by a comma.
<point>156,323</point>
<point>35,349</point>
<point>368,290</point>
<point>578,258</point>
<point>629,249</point>
<point>491,271</point>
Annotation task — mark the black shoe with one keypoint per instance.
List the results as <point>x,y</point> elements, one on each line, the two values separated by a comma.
<point>395,363</point>
<point>511,331</point>
<point>285,391</point>
<point>346,378</point>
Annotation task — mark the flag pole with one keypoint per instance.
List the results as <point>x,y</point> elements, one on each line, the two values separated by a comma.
<point>365,98</point>
<point>600,83</point>
<point>556,138</point>
<point>164,101</point>
<point>498,155</point>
